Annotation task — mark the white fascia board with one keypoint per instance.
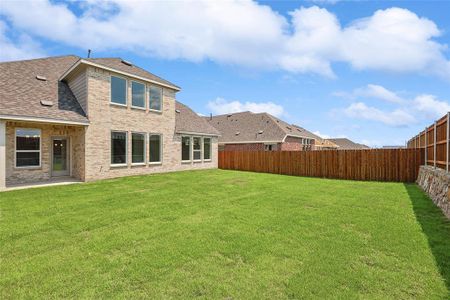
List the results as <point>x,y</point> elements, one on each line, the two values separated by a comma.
<point>82,61</point>
<point>41,120</point>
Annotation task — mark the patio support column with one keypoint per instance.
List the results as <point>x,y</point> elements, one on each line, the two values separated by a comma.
<point>2,154</point>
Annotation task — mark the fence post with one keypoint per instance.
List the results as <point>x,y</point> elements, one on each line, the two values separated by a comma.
<point>426,146</point>
<point>448,138</point>
<point>419,139</point>
<point>434,148</point>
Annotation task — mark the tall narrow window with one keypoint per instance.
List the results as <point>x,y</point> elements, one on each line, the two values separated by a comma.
<point>28,147</point>
<point>155,98</point>
<point>207,148</point>
<point>118,90</point>
<point>185,148</point>
<point>197,148</point>
<point>118,148</point>
<point>155,148</point>
<point>137,94</point>
<point>137,148</point>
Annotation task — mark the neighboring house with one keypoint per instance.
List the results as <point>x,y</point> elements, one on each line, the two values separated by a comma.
<point>346,144</point>
<point>92,119</point>
<point>323,144</point>
<point>247,131</point>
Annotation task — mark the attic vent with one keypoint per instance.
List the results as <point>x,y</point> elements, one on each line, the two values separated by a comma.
<point>260,132</point>
<point>177,111</point>
<point>41,78</point>
<point>125,62</point>
<point>237,132</point>
<point>46,103</point>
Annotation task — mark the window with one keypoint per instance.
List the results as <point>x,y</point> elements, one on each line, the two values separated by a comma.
<point>118,90</point>
<point>155,98</point>
<point>207,148</point>
<point>269,147</point>
<point>137,148</point>
<point>197,148</point>
<point>118,148</point>
<point>137,94</point>
<point>185,148</point>
<point>155,148</point>
<point>28,148</point>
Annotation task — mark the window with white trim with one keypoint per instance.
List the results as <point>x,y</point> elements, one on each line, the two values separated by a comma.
<point>137,148</point>
<point>270,147</point>
<point>28,148</point>
<point>118,148</point>
<point>137,94</point>
<point>207,148</point>
<point>118,90</point>
<point>197,148</point>
<point>155,145</point>
<point>155,98</point>
<point>185,148</point>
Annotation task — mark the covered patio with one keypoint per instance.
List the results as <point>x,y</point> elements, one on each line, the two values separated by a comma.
<point>40,152</point>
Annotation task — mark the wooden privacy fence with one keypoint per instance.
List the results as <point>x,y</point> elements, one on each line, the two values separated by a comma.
<point>401,165</point>
<point>435,142</point>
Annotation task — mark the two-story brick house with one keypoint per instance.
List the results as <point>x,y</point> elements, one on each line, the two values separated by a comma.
<point>95,118</point>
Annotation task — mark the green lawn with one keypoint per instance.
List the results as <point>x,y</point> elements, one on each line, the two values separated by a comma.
<point>223,235</point>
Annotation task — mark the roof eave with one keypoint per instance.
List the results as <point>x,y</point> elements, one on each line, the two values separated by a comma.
<point>82,61</point>
<point>196,133</point>
<point>42,120</point>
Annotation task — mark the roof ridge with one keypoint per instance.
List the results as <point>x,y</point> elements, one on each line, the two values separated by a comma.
<point>41,58</point>
<point>234,113</point>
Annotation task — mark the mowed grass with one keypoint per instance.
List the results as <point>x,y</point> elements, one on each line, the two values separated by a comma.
<point>223,235</point>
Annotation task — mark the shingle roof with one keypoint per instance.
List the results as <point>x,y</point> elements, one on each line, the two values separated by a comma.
<point>21,92</point>
<point>346,144</point>
<point>255,127</point>
<point>187,120</point>
<point>117,63</point>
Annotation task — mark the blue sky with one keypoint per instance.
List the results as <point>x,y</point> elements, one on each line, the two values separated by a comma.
<point>376,72</point>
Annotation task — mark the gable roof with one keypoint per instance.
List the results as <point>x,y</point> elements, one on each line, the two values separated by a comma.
<point>255,127</point>
<point>187,121</point>
<point>346,144</point>
<point>117,64</point>
<point>21,92</point>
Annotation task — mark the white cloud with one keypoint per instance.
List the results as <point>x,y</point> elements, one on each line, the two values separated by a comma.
<point>326,136</point>
<point>23,48</point>
<point>221,106</point>
<point>378,92</point>
<point>421,107</point>
<point>322,135</point>
<point>243,33</point>
<point>430,106</point>
<point>395,118</point>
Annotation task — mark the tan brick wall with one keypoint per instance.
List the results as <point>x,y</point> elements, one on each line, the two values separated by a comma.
<point>105,117</point>
<point>25,175</point>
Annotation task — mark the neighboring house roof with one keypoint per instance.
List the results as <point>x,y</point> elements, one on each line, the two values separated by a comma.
<point>254,127</point>
<point>187,121</point>
<point>21,92</point>
<point>346,144</point>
